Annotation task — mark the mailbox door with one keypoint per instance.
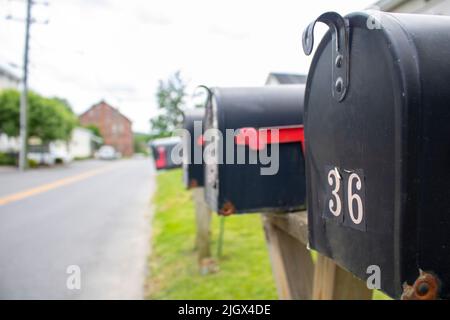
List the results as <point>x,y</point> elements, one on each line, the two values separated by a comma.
<point>193,175</point>
<point>164,154</point>
<point>248,191</point>
<point>160,163</point>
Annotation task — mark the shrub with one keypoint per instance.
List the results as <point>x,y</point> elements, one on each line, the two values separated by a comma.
<point>8,159</point>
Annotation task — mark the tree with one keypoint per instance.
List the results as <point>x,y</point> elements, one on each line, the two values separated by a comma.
<point>48,118</point>
<point>170,97</point>
<point>140,141</point>
<point>94,129</point>
<point>9,112</point>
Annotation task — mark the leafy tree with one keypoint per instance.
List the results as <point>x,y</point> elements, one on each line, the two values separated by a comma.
<point>140,141</point>
<point>170,97</point>
<point>9,112</point>
<point>48,118</point>
<point>94,129</point>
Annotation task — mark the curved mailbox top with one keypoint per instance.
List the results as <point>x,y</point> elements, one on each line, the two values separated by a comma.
<point>169,141</point>
<point>258,107</point>
<point>191,115</point>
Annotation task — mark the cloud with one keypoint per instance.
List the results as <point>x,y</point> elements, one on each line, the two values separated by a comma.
<point>218,30</point>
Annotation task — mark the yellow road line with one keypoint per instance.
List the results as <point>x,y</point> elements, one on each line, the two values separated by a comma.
<point>50,186</point>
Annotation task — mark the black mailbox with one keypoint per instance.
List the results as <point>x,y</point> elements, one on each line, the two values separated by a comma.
<point>377,114</point>
<point>255,122</point>
<point>193,147</point>
<point>164,154</point>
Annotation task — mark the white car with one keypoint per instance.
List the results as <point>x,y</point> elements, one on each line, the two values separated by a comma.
<point>48,155</point>
<point>107,153</point>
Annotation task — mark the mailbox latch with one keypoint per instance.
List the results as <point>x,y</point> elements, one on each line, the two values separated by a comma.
<point>340,50</point>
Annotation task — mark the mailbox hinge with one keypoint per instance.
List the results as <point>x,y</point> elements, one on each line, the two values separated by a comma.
<point>257,139</point>
<point>339,27</point>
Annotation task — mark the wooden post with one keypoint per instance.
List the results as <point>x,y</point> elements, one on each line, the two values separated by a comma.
<point>292,265</point>
<point>296,276</point>
<point>203,221</point>
<point>332,282</point>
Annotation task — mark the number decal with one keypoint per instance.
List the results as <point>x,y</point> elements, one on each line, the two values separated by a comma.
<point>335,193</point>
<point>345,197</point>
<point>351,197</point>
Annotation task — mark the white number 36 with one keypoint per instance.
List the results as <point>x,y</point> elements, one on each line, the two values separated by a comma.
<point>335,203</point>
<point>354,197</point>
<point>337,181</point>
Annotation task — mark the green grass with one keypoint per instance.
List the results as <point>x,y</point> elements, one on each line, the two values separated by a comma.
<point>244,268</point>
<point>378,295</point>
<point>245,271</point>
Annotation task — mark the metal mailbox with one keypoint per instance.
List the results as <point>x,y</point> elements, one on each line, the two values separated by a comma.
<point>378,149</point>
<point>264,120</point>
<point>193,148</point>
<point>162,152</point>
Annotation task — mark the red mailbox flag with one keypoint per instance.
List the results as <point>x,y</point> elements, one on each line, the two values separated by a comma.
<point>161,162</point>
<point>264,136</point>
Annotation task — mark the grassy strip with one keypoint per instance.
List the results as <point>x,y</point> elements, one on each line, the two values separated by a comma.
<point>245,271</point>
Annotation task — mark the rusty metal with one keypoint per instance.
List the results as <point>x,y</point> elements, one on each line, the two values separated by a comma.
<point>426,287</point>
<point>227,209</point>
<point>193,183</point>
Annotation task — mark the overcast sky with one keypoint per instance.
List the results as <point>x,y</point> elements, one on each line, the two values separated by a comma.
<point>117,50</point>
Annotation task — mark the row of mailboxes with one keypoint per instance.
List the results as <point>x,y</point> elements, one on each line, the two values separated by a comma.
<point>246,155</point>
<point>376,115</point>
<point>163,150</point>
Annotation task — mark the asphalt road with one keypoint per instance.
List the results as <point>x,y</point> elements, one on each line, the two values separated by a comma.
<point>93,215</point>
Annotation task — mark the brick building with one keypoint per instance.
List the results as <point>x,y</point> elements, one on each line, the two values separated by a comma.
<point>114,127</point>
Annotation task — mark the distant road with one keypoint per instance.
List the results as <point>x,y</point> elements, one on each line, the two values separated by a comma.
<point>94,215</point>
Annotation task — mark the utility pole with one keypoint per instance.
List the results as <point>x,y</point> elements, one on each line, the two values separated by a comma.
<point>24,95</point>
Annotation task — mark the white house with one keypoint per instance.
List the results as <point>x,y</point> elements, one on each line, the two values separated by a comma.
<point>83,142</point>
<point>9,144</point>
<point>8,78</point>
<point>81,145</point>
<point>276,78</point>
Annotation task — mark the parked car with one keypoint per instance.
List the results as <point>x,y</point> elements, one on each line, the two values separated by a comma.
<point>48,155</point>
<point>107,153</point>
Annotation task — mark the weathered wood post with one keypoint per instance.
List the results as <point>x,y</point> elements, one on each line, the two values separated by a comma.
<point>292,265</point>
<point>295,273</point>
<point>331,282</point>
<point>203,222</point>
